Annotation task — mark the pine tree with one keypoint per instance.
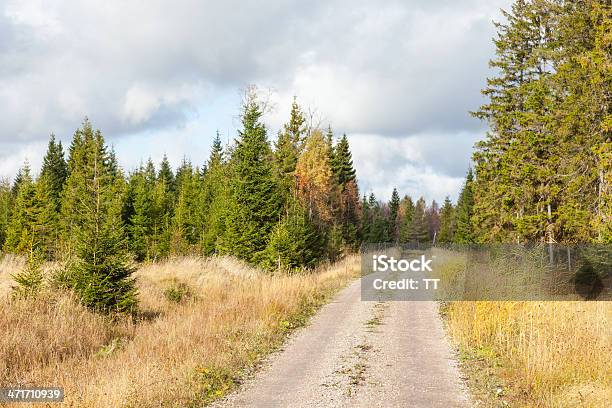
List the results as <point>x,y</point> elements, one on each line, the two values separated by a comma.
<point>212,199</point>
<point>142,214</point>
<point>394,206</point>
<point>254,203</point>
<point>23,175</point>
<point>296,129</point>
<point>55,169</point>
<point>99,272</point>
<point>343,162</point>
<point>20,233</point>
<point>294,242</point>
<point>45,228</point>
<point>464,212</point>
<point>6,204</point>
<point>30,279</point>
<point>405,218</point>
<point>185,231</point>
<point>377,222</point>
<point>166,175</point>
<point>447,222</point>
<point>419,228</point>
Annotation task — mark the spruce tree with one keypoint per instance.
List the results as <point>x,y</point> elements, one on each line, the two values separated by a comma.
<point>464,212</point>
<point>254,203</point>
<point>20,230</point>
<point>140,226</point>
<point>166,175</point>
<point>55,170</point>
<point>419,228</point>
<point>99,271</point>
<point>447,222</point>
<point>295,242</point>
<point>343,162</point>
<point>45,226</point>
<point>394,206</point>
<point>185,231</point>
<point>212,199</point>
<point>6,203</point>
<point>406,213</point>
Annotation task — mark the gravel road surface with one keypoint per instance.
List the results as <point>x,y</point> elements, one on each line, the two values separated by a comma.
<point>360,354</point>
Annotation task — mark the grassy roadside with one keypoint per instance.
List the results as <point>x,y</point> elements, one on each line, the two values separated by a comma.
<point>205,324</point>
<point>533,354</point>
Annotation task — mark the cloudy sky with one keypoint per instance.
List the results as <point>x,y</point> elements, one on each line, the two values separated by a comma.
<point>398,77</point>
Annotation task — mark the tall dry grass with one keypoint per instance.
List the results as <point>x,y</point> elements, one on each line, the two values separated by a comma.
<point>552,354</point>
<point>181,351</point>
<point>549,354</point>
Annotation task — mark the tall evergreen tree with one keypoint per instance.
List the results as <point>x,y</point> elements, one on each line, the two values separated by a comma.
<point>213,198</point>
<point>6,204</point>
<point>185,231</point>
<point>406,213</point>
<point>55,169</point>
<point>99,271</point>
<point>295,241</point>
<point>464,212</point>
<point>394,207</point>
<point>447,222</point>
<point>419,227</point>
<point>254,203</point>
<point>140,226</point>
<point>343,162</point>
<point>19,234</point>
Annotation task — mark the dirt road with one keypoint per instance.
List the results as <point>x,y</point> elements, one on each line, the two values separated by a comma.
<point>360,354</point>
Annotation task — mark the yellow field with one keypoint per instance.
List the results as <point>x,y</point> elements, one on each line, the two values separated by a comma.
<point>204,324</point>
<point>546,354</point>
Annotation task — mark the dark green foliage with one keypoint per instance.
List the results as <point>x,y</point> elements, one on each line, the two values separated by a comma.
<point>212,199</point>
<point>23,175</point>
<point>375,221</point>
<point>342,164</point>
<point>254,204</point>
<point>294,242</point>
<point>30,279</point>
<point>543,174</point>
<point>394,206</point>
<point>166,176</point>
<point>405,218</point>
<point>6,204</point>
<point>142,212</point>
<point>100,270</point>
<point>177,292</point>
<point>185,232</point>
<point>464,212</point>
<point>447,222</point>
<point>55,170</point>
<point>419,226</point>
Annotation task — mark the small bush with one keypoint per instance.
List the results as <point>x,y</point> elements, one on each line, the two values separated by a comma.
<point>30,279</point>
<point>177,292</point>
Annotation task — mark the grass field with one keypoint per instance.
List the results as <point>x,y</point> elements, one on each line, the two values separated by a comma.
<point>533,354</point>
<point>204,324</point>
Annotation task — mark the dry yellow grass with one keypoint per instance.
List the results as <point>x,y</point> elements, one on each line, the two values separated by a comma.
<point>549,354</point>
<point>178,354</point>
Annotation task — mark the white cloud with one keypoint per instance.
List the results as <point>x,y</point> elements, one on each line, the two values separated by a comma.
<point>397,69</point>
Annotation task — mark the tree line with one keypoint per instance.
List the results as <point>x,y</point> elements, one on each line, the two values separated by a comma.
<point>286,205</point>
<point>544,171</point>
